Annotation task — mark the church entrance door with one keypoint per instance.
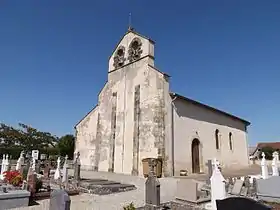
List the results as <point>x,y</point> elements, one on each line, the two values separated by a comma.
<point>195,156</point>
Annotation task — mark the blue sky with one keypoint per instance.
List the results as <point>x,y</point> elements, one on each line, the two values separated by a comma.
<point>54,56</point>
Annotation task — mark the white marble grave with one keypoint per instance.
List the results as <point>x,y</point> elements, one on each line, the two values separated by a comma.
<point>20,162</point>
<point>274,164</point>
<point>264,167</point>
<point>218,188</point>
<point>57,173</point>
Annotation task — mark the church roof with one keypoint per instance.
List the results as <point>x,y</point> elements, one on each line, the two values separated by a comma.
<point>209,107</point>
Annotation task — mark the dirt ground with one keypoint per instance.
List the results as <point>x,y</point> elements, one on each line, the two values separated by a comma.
<point>250,170</point>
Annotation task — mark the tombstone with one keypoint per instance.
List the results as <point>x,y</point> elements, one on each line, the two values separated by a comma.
<point>31,182</point>
<point>246,188</point>
<point>35,154</point>
<point>33,166</point>
<point>264,167</point>
<point>77,167</point>
<point>210,170</point>
<point>240,203</point>
<point>65,172</point>
<point>20,162</point>
<point>47,170</point>
<point>7,163</point>
<point>274,164</point>
<point>57,171</point>
<point>218,190</point>
<point>191,194</point>
<point>38,167</point>
<point>3,166</point>
<point>152,188</point>
<point>59,200</point>
<point>237,187</point>
<point>268,189</point>
<point>254,188</point>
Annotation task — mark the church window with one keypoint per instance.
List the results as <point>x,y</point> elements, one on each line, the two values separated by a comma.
<point>217,139</point>
<point>119,58</point>
<point>230,140</point>
<point>135,51</point>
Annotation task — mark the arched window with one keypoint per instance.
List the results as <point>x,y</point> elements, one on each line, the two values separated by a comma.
<point>217,139</point>
<point>230,140</point>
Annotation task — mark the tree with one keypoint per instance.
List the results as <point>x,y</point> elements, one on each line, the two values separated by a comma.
<point>66,145</point>
<point>268,152</point>
<point>14,140</point>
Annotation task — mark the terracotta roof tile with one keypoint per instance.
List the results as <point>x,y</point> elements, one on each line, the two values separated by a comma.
<point>274,145</point>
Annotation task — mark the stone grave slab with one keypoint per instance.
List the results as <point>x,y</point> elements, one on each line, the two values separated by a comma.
<point>59,200</point>
<point>97,184</point>
<point>187,190</point>
<point>237,187</point>
<point>240,203</point>
<point>113,188</point>
<point>269,189</point>
<point>14,199</point>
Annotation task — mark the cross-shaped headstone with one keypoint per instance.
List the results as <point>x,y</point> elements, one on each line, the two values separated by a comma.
<point>57,171</point>
<point>65,172</point>
<point>264,167</point>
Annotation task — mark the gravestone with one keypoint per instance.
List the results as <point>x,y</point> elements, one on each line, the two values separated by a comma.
<point>152,188</point>
<point>47,170</point>
<point>31,183</point>
<point>77,168</point>
<point>210,170</point>
<point>187,190</point>
<point>236,190</point>
<point>254,188</point>
<point>275,162</point>
<point>268,189</point>
<point>65,172</point>
<point>59,200</point>
<point>264,167</point>
<point>240,203</point>
<point>218,189</point>
<point>38,167</point>
<point>57,174</point>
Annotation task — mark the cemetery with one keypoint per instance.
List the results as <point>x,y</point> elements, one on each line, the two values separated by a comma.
<point>32,180</point>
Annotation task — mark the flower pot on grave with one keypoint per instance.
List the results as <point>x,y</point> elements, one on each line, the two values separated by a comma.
<point>183,173</point>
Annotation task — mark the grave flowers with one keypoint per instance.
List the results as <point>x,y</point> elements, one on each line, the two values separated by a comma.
<point>13,177</point>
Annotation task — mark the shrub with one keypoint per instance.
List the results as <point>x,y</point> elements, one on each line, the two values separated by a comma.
<point>13,177</point>
<point>129,207</point>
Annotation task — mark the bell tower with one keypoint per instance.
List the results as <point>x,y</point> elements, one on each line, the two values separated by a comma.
<point>131,48</point>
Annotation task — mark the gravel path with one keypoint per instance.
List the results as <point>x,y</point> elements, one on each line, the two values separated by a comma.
<point>113,201</point>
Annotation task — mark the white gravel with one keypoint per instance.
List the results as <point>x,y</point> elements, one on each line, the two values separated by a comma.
<point>114,201</point>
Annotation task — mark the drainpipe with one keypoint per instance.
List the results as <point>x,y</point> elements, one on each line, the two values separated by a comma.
<point>172,135</point>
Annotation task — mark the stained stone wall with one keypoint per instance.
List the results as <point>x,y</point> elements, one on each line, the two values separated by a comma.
<point>193,121</point>
<point>86,138</point>
<point>147,132</point>
<point>135,119</point>
<point>139,111</point>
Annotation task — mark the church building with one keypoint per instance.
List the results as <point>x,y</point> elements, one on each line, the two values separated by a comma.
<point>137,116</point>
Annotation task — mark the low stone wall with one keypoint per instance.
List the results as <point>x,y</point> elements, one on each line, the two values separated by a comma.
<point>258,162</point>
